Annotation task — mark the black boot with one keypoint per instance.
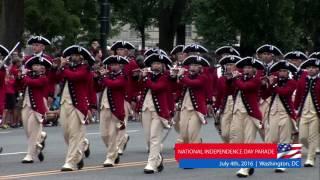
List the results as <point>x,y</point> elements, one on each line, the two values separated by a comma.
<point>80,164</point>
<point>40,156</point>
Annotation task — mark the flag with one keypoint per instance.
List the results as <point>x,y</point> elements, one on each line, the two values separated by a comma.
<point>289,151</point>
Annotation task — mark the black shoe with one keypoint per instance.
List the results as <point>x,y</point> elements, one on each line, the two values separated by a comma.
<point>160,167</point>
<point>308,165</point>
<point>87,152</point>
<point>117,160</point>
<point>1,149</point>
<point>148,171</point>
<point>251,171</point>
<point>66,169</point>
<point>80,164</point>
<point>40,156</point>
<point>279,171</point>
<point>241,175</point>
<point>107,165</point>
<point>27,161</point>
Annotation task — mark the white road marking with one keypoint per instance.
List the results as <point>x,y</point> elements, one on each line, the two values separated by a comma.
<point>5,132</point>
<point>14,153</point>
<point>93,133</point>
<point>129,131</point>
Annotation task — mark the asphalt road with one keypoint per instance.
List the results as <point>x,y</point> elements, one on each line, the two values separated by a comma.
<point>131,163</point>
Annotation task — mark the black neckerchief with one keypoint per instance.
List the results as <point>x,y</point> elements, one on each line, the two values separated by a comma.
<point>282,81</point>
<point>155,77</point>
<point>247,77</point>
<point>193,76</point>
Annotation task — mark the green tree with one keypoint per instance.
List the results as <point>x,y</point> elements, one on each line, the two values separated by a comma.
<point>306,18</point>
<point>87,12</point>
<point>211,23</point>
<point>140,14</point>
<point>50,18</point>
<point>74,20</point>
<point>257,22</point>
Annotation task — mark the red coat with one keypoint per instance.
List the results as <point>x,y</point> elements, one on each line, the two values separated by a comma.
<point>116,93</point>
<point>301,74</point>
<point>302,93</point>
<point>285,90</point>
<point>197,88</point>
<point>79,79</point>
<point>10,85</point>
<point>2,89</point>
<point>92,93</point>
<point>158,84</point>
<point>37,91</point>
<point>264,91</point>
<point>172,95</point>
<point>212,80</point>
<point>209,88</point>
<point>250,91</point>
<point>132,86</point>
<point>226,88</point>
<point>177,89</point>
<point>14,70</point>
<point>52,83</point>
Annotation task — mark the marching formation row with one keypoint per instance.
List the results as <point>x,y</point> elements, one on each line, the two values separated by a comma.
<point>272,94</point>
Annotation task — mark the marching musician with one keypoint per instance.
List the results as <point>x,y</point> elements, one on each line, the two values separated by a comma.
<point>210,72</point>
<point>3,53</point>
<point>317,56</point>
<point>34,105</point>
<point>224,102</point>
<point>39,44</point>
<point>307,103</point>
<point>112,113</point>
<point>193,103</point>
<point>247,116</point>
<point>281,123</point>
<point>296,58</point>
<point>222,52</point>
<point>155,107</point>
<point>76,104</point>
<point>177,53</point>
<point>267,54</point>
<point>170,89</point>
<point>122,48</point>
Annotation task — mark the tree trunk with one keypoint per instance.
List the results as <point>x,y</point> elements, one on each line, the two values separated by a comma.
<point>143,37</point>
<point>12,23</point>
<point>166,32</point>
<point>246,48</point>
<point>316,41</point>
<point>169,18</point>
<point>181,34</point>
